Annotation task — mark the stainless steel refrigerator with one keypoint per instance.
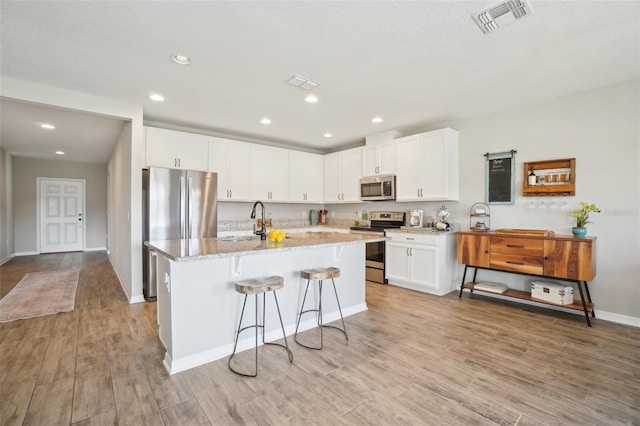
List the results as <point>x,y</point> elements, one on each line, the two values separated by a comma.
<point>176,204</point>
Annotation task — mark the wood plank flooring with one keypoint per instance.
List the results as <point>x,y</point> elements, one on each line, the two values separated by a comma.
<point>412,359</point>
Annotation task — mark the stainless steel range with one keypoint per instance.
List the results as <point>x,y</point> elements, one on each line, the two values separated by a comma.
<point>375,251</point>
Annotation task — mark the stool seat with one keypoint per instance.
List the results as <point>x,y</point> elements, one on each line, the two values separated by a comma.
<point>259,285</point>
<point>320,273</point>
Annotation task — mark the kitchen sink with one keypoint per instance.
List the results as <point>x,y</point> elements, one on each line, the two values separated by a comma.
<point>236,238</point>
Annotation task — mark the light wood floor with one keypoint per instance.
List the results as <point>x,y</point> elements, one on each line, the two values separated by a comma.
<point>411,359</point>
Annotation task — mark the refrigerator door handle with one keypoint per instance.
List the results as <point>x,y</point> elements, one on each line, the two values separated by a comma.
<point>183,207</point>
<point>189,206</point>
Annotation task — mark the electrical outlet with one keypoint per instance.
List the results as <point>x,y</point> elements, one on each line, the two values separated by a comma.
<point>333,214</point>
<point>304,214</point>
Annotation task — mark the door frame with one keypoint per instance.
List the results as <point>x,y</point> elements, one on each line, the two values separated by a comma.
<point>83,183</point>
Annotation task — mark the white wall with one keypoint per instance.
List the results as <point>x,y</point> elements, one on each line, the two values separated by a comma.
<point>6,213</point>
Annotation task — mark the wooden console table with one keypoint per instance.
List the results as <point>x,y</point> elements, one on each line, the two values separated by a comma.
<point>565,258</point>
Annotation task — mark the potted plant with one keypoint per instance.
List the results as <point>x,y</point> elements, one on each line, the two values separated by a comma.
<point>582,218</point>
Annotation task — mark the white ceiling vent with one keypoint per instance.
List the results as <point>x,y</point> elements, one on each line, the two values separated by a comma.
<point>302,82</point>
<point>501,14</point>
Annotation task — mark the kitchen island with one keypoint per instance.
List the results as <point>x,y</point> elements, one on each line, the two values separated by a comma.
<point>198,308</point>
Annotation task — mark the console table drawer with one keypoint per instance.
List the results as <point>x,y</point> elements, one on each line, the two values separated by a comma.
<point>519,246</point>
<point>517,263</point>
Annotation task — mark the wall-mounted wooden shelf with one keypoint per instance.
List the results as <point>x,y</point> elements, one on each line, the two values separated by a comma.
<point>554,177</point>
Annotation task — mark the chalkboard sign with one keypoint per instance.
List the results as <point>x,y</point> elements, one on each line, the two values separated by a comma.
<point>500,178</point>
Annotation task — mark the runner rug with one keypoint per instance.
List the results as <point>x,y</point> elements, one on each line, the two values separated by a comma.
<point>40,293</point>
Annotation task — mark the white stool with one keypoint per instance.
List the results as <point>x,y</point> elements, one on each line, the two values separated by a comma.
<point>255,287</point>
<point>319,274</point>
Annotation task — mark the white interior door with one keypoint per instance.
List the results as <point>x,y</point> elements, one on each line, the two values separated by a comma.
<point>61,206</point>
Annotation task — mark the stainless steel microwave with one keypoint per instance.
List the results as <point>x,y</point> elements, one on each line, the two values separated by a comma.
<point>377,188</point>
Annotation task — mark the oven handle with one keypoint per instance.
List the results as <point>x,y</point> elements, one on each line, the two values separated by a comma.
<point>353,231</point>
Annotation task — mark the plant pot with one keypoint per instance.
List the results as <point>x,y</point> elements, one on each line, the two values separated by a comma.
<point>579,231</point>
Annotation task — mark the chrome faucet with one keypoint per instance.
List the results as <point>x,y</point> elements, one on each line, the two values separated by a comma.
<point>263,231</point>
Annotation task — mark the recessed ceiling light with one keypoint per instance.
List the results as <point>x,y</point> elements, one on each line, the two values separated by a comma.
<point>181,59</point>
<point>376,120</point>
<point>156,97</point>
<point>327,135</point>
<point>312,99</point>
<point>60,152</point>
<point>265,121</point>
<point>47,126</point>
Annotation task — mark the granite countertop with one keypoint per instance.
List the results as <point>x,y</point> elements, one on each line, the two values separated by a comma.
<point>213,248</point>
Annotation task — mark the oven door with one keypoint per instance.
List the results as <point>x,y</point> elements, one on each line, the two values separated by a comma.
<point>374,261</point>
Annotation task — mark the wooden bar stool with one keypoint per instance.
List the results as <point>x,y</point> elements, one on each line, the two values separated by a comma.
<point>319,274</point>
<point>256,287</point>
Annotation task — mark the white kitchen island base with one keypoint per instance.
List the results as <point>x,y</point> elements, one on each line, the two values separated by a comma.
<point>198,308</point>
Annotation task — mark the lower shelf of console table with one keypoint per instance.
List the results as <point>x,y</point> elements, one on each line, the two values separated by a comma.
<point>584,304</point>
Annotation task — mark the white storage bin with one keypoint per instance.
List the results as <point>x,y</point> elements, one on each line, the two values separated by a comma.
<point>552,292</point>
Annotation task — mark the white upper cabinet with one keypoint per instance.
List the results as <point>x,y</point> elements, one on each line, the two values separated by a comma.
<point>342,173</point>
<point>427,166</point>
<point>306,171</point>
<point>176,150</point>
<point>231,160</point>
<point>379,159</point>
<point>269,171</point>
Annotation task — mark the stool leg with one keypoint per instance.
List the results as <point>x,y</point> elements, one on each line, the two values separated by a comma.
<point>320,323</point>
<point>301,309</point>
<point>344,328</point>
<point>286,345</point>
<point>318,318</point>
<point>235,345</point>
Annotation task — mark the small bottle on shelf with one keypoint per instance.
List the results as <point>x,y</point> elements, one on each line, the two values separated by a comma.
<point>531,178</point>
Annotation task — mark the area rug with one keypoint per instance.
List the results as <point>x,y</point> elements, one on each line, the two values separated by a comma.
<point>39,294</point>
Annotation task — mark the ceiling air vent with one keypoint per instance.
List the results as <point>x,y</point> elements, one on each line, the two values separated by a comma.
<point>501,14</point>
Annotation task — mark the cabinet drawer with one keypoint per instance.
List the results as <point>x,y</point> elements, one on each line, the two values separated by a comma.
<point>517,263</point>
<point>415,237</point>
<point>520,246</point>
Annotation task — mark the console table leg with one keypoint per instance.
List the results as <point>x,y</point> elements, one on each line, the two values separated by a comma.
<point>586,288</point>
<point>464,276</point>
<point>584,303</point>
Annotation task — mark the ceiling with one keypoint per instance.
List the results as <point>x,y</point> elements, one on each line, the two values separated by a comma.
<point>415,64</point>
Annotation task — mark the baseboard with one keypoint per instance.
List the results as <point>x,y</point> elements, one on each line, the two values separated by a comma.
<point>603,315</point>
<point>618,318</point>
<point>124,289</point>
<point>95,249</point>
<point>6,259</point>
<point>26,253</point>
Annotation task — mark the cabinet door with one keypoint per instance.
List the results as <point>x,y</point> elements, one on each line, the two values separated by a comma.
<point>396,261</point>
<point>269,173</point>
<point>386,158</point>
<point>351,174</point>
<point>218,159</point>
<point>408,156</point>
<point>161,148</point>
<point>369,161</point>
<point>473,250</point>
<point>573,260</point>
<point>193,151</point>
<point>239,171</point>
<point>333,177</point>
<point>439,172</point>
<point>306,173</point>
<point>423,266</point>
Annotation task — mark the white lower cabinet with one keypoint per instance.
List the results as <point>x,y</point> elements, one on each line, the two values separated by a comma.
<point>421,261</point>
